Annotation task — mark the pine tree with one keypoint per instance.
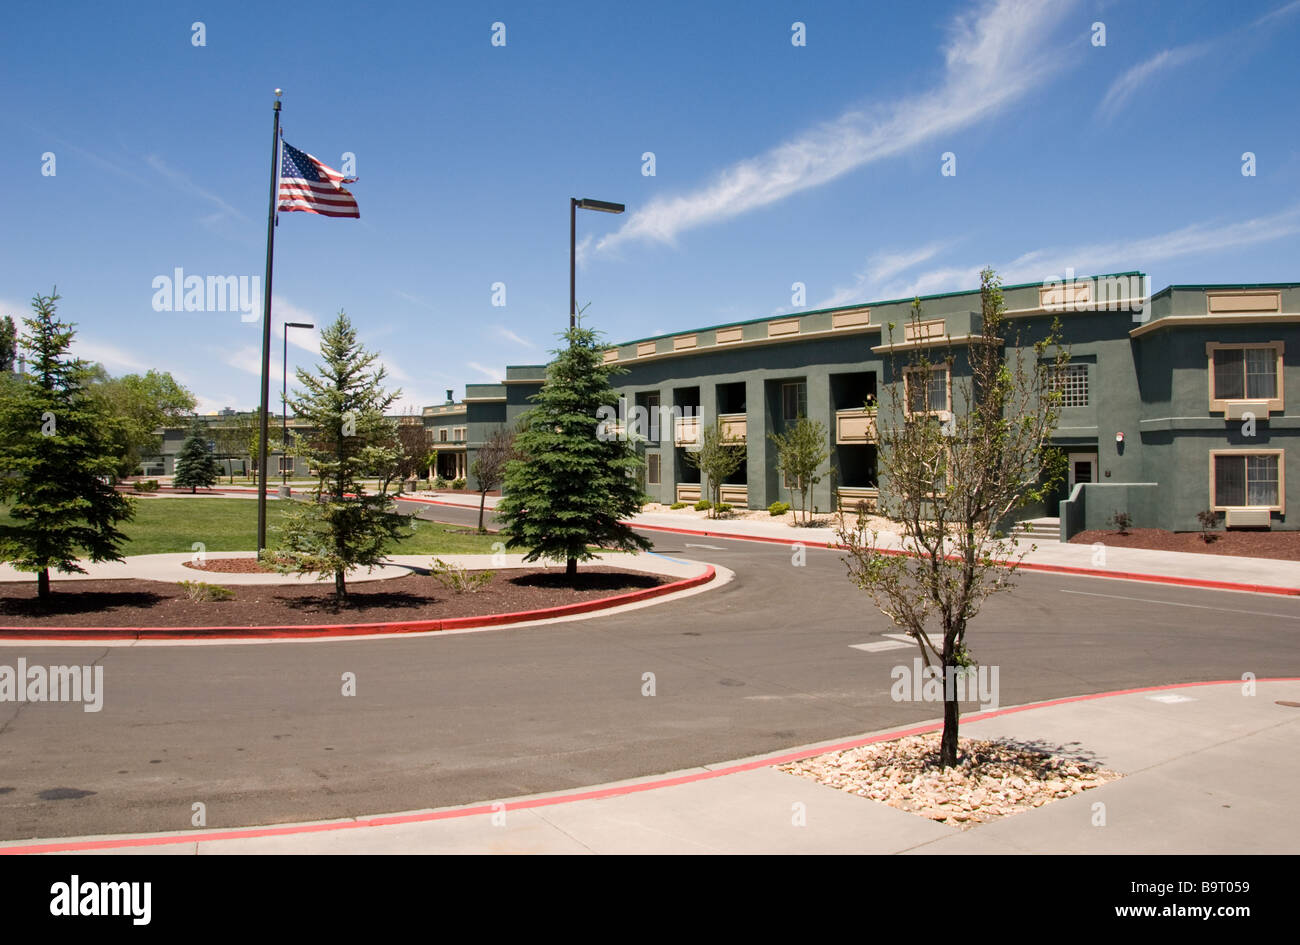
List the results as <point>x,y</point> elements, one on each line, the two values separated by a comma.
<point>57,456</point>
<point>574,483</point>
<point>343,405</point>
<point>195,465</point>
<point>8,345</point>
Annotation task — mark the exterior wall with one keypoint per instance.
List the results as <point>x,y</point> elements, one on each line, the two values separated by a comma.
<point>1147,378</point>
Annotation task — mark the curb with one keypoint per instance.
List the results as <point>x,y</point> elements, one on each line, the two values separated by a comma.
<point>318,631</point>
<point>589,794</point>
<point>1204,583</point>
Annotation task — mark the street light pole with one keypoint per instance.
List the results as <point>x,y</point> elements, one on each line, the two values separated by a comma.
<point>284,400</point>
<point>576,204</point>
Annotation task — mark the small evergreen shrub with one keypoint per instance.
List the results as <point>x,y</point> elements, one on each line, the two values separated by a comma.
<point>678,505</point>
<point>458,483</point>
<point>146,485</point>
<point>703,505</point>
<point>722,508</point>
<point>778,508</point>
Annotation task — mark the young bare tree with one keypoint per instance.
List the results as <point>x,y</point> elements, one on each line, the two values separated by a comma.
<point>958,457</point>
<point>489,466</point>
<point>717,458</point>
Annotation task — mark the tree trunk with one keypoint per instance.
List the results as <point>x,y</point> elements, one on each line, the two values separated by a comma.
<point>43,583</point>
<point>951,714</point>
<point>482,501</point>
<point>340,585</point>
<point>571,568</point>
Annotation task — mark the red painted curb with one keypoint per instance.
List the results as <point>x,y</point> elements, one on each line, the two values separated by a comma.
<point>587,795</point>
<point>1028,566</point>
<point>349,630</point>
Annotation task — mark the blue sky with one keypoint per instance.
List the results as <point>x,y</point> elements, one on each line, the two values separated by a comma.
<point>775,164</point>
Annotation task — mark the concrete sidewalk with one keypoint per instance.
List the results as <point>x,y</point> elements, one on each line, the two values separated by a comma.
<point>1176,565</point>
<point>1208,769</point>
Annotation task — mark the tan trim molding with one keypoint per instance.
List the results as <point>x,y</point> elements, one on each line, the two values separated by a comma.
<point>1222,404</point>
<point>1191,321</point>
<point>1281,479</point>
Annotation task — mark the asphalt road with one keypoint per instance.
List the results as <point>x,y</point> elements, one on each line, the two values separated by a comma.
<point>262,734</point>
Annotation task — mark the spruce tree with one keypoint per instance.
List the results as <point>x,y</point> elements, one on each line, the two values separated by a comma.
<point>343,406</point>
<point>195,465</point>
<point>57,456</point>
<point>574,483</point>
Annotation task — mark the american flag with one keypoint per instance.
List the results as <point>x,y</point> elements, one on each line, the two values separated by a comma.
<point>308,185</point>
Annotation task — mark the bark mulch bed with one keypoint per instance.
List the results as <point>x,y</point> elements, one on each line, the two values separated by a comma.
<point>130,603</point>
<point>1284,546</point>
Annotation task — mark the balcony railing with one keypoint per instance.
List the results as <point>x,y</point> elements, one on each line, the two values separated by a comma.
<point>687,431</point>
<point>857,425</point>
<point>733,426</point>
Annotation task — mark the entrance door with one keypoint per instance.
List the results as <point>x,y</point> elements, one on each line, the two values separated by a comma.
<point>1083,468</point>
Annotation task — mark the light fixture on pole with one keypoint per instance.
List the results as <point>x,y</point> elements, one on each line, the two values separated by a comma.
<point>284,401</point>
<point>576,204</point>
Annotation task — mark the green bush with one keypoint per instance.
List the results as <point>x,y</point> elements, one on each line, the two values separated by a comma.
<point>458,580</point>
<point>722,508</point>
<point>439,483</point>
<point>703,505</point>
<point>678,505</point>
<point>458,483</point>
<point>778,508</point>
<point>201,592</point>
<point>146,485</point>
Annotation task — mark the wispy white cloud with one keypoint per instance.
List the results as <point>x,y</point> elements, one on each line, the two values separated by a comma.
<point>1204,237</point>
<point>880,270</point>
<point>1123,88</point>
<point>183,182</point>
<point>501,331</point>
<point>115,359</point>
<point>994,57</point>
<point>1283,10</point>
<point>493,374</point>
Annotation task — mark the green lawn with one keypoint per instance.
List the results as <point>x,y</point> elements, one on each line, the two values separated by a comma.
<point>172,525</point>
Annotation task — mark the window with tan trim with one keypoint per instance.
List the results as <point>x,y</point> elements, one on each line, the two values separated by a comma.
<point>652,469</point>
<point>1245,372</point>
<point>1247,479</point>
<point>936,399</point>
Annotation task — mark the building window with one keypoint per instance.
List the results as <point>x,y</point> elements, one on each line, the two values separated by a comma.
<point>286,464</point>
<point>442,435</point>
<point>1247,480</point>
<point>931,397</point>
<point>1245,372</point>
<point>794,401</point>
<point>458,433</point>
<point>1072,382</point>
<point>652,469</point>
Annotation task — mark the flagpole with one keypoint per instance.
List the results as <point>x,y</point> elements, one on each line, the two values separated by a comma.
<point>266,332</point>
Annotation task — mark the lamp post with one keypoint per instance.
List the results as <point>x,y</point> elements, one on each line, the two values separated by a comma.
<point>284,400</point>
<point>576,204</point>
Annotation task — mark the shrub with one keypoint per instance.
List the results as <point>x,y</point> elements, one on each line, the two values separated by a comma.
<point>678,505</point>
<point>201,592</point>
<point>778,508</point>
<point>458,580</point>
<point>703,505</point>
<point>1208,519</point>
<point>722,508</point>
<point>146,485</point>
<point>458,483</point>
<point>1122,522</point>
<point>439,483</point>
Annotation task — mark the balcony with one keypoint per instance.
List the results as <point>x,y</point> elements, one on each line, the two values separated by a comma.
<point>857,425</point>
<point>733,427</point>
<point>850,496</point>
<point>686,431</point>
